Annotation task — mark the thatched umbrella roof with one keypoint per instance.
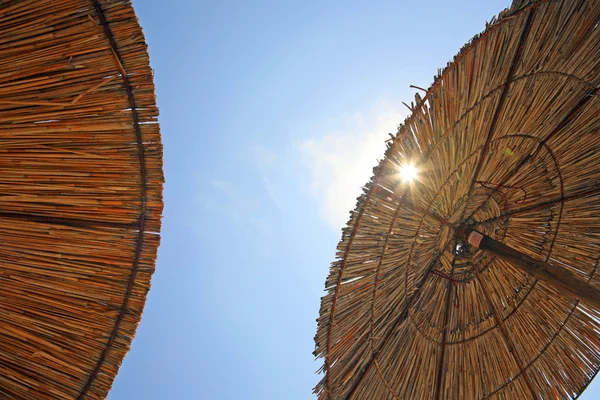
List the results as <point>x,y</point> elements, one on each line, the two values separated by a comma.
<point>506,143</point>
<point>80,194</point>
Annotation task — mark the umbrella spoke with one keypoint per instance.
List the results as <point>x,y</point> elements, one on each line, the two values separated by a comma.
<point>509,76</point>
<point>399,319</point>
<point>507,339</point>
<point>63,221</point>
<point>438,385</point>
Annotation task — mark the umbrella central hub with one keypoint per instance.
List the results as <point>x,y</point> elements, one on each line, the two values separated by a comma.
<point>484,205</point>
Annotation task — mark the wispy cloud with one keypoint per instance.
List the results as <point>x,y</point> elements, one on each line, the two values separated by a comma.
<point>267,161</point>
<point>224,198</point>
<point>341,160</point>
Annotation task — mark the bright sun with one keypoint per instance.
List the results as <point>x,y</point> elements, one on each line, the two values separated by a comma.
<point>408,173</point>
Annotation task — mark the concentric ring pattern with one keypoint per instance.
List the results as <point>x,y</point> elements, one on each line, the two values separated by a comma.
<point>507,141</point>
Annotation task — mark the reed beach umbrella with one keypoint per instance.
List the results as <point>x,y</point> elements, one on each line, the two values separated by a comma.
<point>80,194</point>
<point>469,268</point>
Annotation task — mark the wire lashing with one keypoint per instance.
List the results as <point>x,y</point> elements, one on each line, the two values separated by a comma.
<point>497,186</point>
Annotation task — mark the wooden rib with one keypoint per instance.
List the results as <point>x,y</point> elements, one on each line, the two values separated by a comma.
<point>63,221</point>
<point>558,331</point>
<point>505,335</point>
<point>509,76</point>
<point>377,273</point>
<point>401,317</point>
<point>439,378</point>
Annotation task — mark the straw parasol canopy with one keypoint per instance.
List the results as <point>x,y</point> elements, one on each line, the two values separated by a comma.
<point>80,194</point>
<point>477,276</point>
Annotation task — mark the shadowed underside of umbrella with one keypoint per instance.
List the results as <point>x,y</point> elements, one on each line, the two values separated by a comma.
<point>80,194</point>
<point>506,142</point>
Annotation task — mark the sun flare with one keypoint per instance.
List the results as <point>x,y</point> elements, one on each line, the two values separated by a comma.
<point>408,173</point>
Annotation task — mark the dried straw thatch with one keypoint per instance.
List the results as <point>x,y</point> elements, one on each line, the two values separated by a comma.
<point>81,193</point>
<point>507,141</point>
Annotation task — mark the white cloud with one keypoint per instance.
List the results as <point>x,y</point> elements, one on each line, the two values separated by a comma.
<point>341,160</point>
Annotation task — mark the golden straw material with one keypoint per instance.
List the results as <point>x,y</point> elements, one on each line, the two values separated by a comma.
<point>80,194</point>
<point>506,142</point>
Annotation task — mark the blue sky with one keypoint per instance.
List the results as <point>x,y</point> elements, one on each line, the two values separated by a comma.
<point>273,114</point>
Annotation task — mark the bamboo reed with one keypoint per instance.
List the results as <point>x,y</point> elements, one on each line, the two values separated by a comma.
<point>80,194</point>
<point>506,141</point>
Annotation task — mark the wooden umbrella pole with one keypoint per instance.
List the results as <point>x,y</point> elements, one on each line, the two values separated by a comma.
<point>558,278</point>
